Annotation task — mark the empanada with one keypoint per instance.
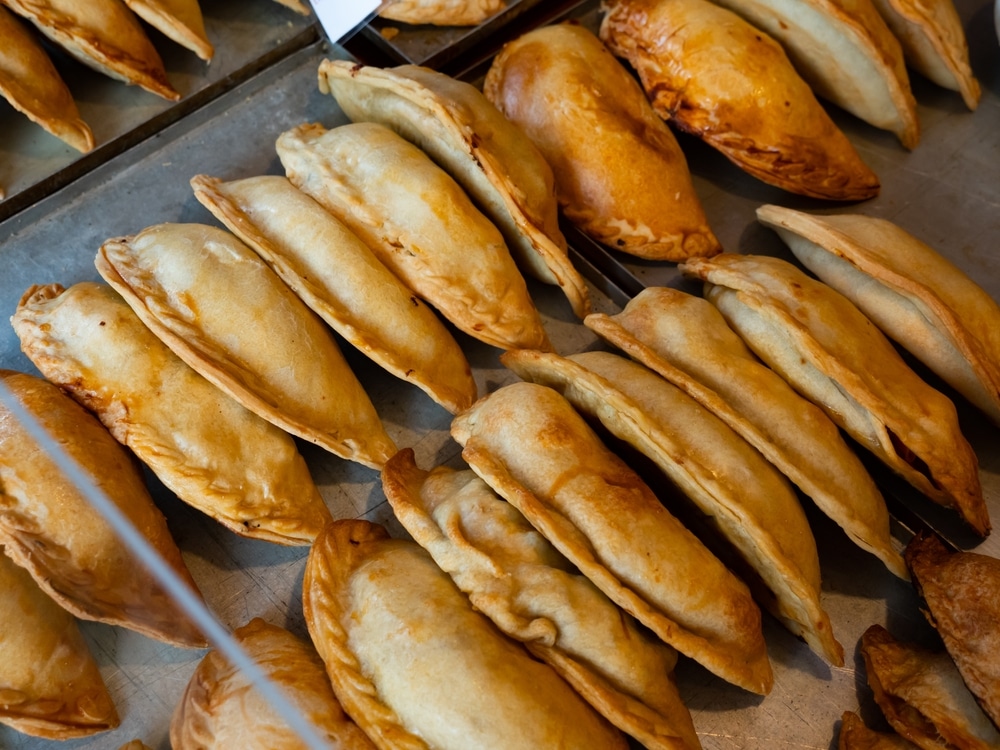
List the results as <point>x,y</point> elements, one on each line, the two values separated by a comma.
<point>827,349</point>
<point>296,5</point>
<point>915,295</point>
<point>922,695</point>
<point>517,579</point>
<point>32,85</point>
<point>527,442</point>
<point>336,274</point>
<point>419,223</point>
<point>442,12</point>
<point>218,306</point>
<point>687,341</point>
<point>417,667</point>
<point>854,735</point>
<point>713,75</point>
<point>490,157</point>
<point>961,596</point>
<point>620,174</point>
<point>213,453</point>
<point>50,528</point>
<point>180,20</point>
<point>50,685</point>
<point>104,35</point>
<point>221,708</point>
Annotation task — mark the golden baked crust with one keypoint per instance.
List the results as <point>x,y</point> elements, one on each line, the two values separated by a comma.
<point>178,19</point>
<point>854,735</point>
<point>214,454</point>
<point>442,12</point>
<point>620,174</point>
<point>714,75</point>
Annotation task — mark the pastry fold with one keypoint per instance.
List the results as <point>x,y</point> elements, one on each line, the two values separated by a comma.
<point>620,174</point>
<point>180,20</point>
<point>416,666</point>
<point>527,442</point>
<point>213,453</point>
<point>534,595</point>
<point>827,349</point>
<point>419,223</point>
<point>916,296</point>
<point>442,12</point>
<point>336,274</point>
<point>854,735</point>
<point>687,341</point>
<point>490,157</point>
<point>219,307</point>
<point>713,75</point>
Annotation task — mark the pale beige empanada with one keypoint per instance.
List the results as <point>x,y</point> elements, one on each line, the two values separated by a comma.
<point>50,685</point>
<point>417,667</point>
<point>103,34</point>
<point>219,307</point>
<point>854,735</point>
<point>915,295</point>
<point>620,174</point>
<point>442,12</point>
<point>32,85</point>
<point>336,274</point>
<point>517,579</point>
<point>50,528</point>
<point>489,156</point>
<point>213,453</point>
<point>419,223</point>
<point>713,75</point>
<point>180,20</point>
<point>687,341</point>
<point>221,708</point>
<point>527,442</point>
<point>827,349</point>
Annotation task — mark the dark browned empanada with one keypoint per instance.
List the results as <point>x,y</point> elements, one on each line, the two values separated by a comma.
<point>180,20</point>
<point>854,735</point>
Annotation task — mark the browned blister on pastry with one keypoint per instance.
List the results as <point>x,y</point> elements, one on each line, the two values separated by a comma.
<point>442,12</point>
<point>533,594</point>
<point>181,20</point>
<point>203,445</point>
<point>50,528</point>
<point>712,74</point>
<point>620,174</point>
<point>417,667</point>
<point>854,735</point>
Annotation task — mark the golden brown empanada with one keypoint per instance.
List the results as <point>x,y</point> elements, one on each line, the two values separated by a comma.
<point>452,122</point>
<point>417,667</point>
<point>922,695</point>
<point>533,594</point>
<point>218,306</point>
<point>336,274</point>
<point>178,19</point>
<point>961,594</point>
<point>213,453</point>
<point>620,174</point>
<point>134,745</point>
<point>32,85</point>
<point>854,735</point>
<point>827,349</point>
<point>714,75</point>
<point>915,295</point>
<point>221,708</point>
<point>687,341</point>
<point>442,12</point>
<point>104,35</point>
<point>50,685</point>
<point>527,442</point>
<point>49,527</point>
<point>419,222</point>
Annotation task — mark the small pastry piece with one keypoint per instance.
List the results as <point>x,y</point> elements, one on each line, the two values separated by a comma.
<point>827,349</point>
<point>922,695</point>
<point>417,667</point>
<point>533,449</point>
<point>103,34</point>
<point>854,735</point>
<point>442,12</point>
<point>713,75</point>
<point>961,594</point>
<point>50,685</point>
<point>180,20</point>
<point>216,455</point>
<point>419,223</point>
<point>620,174</point>
<point>32,85</point>
<point>52,530</point>
<point>687,341</point>
<point>489,156</point>
<point>134,745</point>
<point>218,306</point>
<point>336,274</point>
<point>915,295</point>
<point>517,579</point>
<point>221,708</point>
<point>296,5</point>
